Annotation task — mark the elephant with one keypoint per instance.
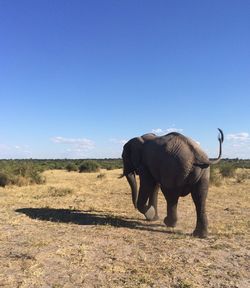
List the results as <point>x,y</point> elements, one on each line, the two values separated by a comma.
<point>175,164</point>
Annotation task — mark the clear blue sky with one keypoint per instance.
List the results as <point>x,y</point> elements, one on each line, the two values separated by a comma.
<point>78,78</point>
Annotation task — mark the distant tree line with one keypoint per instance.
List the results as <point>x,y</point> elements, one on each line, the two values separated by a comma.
<point>28,171</point>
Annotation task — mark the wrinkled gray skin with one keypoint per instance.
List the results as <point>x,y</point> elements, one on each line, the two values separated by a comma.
<point>174,163</point>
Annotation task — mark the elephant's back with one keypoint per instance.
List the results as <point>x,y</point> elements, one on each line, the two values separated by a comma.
<point>170,159</point>
<point>183,148</point>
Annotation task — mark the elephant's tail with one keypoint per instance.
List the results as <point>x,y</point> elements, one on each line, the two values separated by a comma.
<point>220,139</point>
<point>202,160</point>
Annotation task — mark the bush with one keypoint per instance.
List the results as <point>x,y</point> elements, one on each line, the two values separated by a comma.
<point>89,166</point>
<point>71,167</point>
<point>4,179</point>
<point>37,178</point>
<point>30,173</point>
<point>241,176</point>
<point>227,170</point>
<point>215,176</point>
<point>20,174</point>
<point>111,164</point>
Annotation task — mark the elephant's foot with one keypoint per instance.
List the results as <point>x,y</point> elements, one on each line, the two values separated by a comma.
<point>150,213</point>
<point>155,218</point>
<point>170,222</point>
<point>200,233</point>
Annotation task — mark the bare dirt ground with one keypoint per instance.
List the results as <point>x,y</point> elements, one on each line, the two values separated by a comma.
<point>81,230</point>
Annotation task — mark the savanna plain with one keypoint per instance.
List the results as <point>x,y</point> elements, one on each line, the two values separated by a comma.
<point>81,230</point>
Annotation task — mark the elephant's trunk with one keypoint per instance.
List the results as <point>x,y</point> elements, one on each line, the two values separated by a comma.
<point>133,185</point>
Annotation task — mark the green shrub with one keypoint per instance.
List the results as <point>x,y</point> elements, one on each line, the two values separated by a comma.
<point>241,176</point>
<point>71,167</point>
<point>111,164</point>
<point>37,178</point>
<point>20,173</point>
<point>30,173</point>
<point>89,166</point>
<point>4,179</point>
<point>215,176</point>
<point>227,170</point>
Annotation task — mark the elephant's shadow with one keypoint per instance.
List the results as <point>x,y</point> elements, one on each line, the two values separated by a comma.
<point>93,218</point>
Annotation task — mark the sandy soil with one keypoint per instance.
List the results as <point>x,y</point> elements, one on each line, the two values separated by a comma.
<point>81,230</point>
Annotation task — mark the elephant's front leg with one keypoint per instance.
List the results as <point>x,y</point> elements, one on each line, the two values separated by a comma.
<point>172,202</point>
<point>153,199</point>
<point>199,195</point>
<point>147,193</point>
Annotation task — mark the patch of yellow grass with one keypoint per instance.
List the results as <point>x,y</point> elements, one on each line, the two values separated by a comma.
<point>81,230</point>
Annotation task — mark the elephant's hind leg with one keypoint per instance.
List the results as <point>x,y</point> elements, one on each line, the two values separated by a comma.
<point>199,195</point>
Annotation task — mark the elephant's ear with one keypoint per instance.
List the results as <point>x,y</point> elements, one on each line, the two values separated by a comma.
<point>131,155</point>
<point>136,148</point>
<point>126,156</point>
<point>136,152</point>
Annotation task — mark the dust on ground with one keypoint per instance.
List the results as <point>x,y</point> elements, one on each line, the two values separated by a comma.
<point>81,230</point>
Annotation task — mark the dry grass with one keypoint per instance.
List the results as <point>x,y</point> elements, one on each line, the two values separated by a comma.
<point>81,230</point>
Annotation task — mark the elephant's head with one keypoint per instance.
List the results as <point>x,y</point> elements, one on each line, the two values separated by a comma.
<point>132,157</point>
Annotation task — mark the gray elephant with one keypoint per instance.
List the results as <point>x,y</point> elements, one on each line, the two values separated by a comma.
<point>174,163</point>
